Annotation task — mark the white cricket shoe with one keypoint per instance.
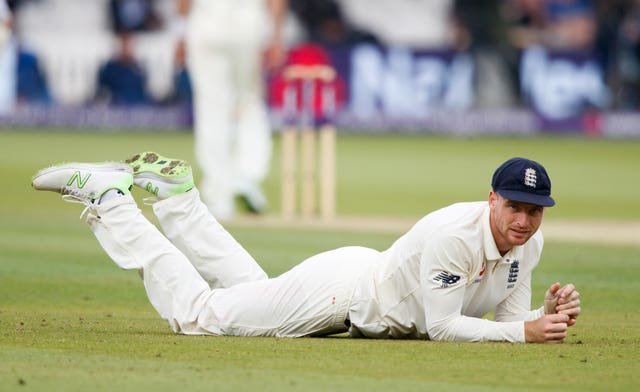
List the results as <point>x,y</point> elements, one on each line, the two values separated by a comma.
<point>84,182</point>
<point>162,177</point>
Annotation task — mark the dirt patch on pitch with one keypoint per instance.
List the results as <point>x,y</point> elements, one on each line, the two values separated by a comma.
<point>590,231</point>
<point>594,231</point>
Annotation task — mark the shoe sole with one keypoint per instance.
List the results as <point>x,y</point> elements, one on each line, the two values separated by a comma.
<point>152,165</point>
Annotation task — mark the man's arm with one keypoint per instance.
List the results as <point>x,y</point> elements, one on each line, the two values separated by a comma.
<point>183,7</point>
<point>444,272</point>
<point>6,24</point>
<point>550,328</point>
<point>275,53</point>
<point>549,323</point>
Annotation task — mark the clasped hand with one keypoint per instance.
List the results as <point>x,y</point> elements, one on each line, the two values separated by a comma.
<point>561,308</point>
<point>565,300</point>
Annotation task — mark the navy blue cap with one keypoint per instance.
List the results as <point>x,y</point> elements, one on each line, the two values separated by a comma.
<point>523,180</point>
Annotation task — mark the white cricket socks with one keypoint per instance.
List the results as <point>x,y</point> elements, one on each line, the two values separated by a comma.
<point>110,194</point>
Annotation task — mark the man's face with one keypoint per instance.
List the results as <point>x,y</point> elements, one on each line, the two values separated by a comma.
<point>513,222</point>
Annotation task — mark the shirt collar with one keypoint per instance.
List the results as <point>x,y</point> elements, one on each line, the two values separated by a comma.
<point>491,251</point>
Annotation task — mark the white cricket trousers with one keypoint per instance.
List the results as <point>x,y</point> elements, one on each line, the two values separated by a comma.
<point>202,281</point>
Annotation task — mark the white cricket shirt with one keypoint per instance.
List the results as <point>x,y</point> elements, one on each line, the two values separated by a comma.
<point>439,279</point>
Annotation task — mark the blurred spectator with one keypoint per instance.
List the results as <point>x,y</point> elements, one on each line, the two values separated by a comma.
<point>572,24</point>
<point>182,93</point>
<point>32,85</point>
<point>121,80</point>
<point>561,75</point>
<point>481,18</point>
<point>564,26</point>
<point>133,16</point>
<point>554,24</point>
<point>526,21</point>
<point>8,60</point>
<point>628,59</point>
<point>15,4</point>
<point>417,24</point>
<point>481,30</point>
<point>324,22</point>
<point>608,16</point>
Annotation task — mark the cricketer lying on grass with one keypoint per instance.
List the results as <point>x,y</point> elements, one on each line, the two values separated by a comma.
<point>435,282</point>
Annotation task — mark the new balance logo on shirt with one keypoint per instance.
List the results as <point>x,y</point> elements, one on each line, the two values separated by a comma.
<point>446,278</point>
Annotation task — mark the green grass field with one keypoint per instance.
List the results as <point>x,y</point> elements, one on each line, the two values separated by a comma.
<point>70,320</point>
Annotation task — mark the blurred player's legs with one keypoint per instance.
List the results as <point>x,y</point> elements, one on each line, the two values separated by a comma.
<point>253,144</point>
<point>213,124</point>
<point>232,129</point>
<point>8,71</point>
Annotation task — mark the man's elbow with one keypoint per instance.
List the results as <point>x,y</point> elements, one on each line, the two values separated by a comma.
<point>440,332</point>
<point>453,331</point>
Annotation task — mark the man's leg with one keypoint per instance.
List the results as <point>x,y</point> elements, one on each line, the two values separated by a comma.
<point>312,299</point>
<point>217,256</point>
<point>187,222</point>
<point>174,287</point>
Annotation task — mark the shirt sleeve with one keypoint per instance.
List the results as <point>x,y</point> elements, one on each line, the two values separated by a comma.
<point>516,307</point>
<point>445,271</point>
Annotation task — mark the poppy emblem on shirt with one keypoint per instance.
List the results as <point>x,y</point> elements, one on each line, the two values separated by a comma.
<point>446,278</point>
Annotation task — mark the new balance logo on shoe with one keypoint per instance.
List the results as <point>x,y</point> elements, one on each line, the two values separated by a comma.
<point>446,278</point>
<point>77,177</point>
<point>151,189</point>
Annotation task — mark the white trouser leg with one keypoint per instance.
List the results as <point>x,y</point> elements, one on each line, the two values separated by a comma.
<point>311,299</point>
<point>217,256</point>
<point>174,287</point>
